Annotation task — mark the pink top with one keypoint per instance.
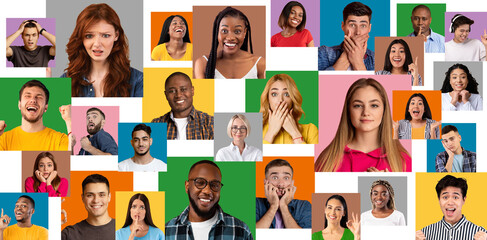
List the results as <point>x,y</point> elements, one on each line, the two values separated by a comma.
<point>299,39</point>
<point>62,189</point>
<point>357,161</point>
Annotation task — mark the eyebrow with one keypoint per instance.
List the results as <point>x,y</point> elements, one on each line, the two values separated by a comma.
<point>354,21</point>
<point>276,173</point>
<point>276,89</point>
<point>456,193</point>
<point>373,100</point>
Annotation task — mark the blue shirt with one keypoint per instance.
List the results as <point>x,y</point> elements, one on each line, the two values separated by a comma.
<point>103,141</point>
<point>136,81</point>
<point>299,209</point>
<point>434,44</point>
<point>327,56</point>
<point>153,234</point>
<point>469,163</point>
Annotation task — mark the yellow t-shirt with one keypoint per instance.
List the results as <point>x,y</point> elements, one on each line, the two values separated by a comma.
<point>35,232</point>
<point>308,131</point>
<point>159,53</point>
<point>418,133</point>
<point>45,140</point>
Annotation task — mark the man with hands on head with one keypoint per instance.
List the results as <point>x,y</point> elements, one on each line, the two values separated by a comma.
<point>421,20</point>
<point>279,209</point>
<point>32,135</point>
<point>30,55</point>
<point>455,158</point>
<point>24,229</point>
<point>352,53</point>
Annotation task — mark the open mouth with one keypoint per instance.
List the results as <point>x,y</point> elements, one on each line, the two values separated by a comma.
<point>32,109</point>
<point>180,101</point>
<point>397,59</point>
<point>179,30</point>
<point>332,217</point>
<point>295,21</point>
<point>91,125</point>
<point>230,45</point>
<point>450,211</point>
<point>97,52</point>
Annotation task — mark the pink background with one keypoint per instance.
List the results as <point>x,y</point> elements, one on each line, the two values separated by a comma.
<point>331,102</point>
<point>78,116</point>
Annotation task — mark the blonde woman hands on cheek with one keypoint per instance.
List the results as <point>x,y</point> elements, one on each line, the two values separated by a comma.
<point>276,121</point>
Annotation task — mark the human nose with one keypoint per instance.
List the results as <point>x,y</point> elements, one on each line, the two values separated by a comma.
<point>207,188</point>
<point>96,40</point>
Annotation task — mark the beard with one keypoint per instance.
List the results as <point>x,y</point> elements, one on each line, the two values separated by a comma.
<point>95,129</point>
<point>203,214</point>
<point>32,120</point>
<point>142,153</point>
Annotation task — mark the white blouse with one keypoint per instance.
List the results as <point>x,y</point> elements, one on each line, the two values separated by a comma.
<point>231,153</point>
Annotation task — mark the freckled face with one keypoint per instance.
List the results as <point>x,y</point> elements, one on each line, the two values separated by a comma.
<point>99,40</point>
<point>279,93</point>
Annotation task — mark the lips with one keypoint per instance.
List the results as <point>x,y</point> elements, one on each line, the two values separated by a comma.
<point>179,30</point>
<point>32,108</point>
<point>97,52</point>
<point>396,59</point>
<point>332,217</point>
<point>365,120</point>
<point>450,211</point>
<point>295,21</point>
<point>180,101</point>
<point>205,201</point>
<point>230,45</point>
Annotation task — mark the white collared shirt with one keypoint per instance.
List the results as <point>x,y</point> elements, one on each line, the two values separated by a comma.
<point>232,153</point>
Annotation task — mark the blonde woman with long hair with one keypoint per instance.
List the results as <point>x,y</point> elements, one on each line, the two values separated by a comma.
<point>280,105</point>
<point>364,141</point>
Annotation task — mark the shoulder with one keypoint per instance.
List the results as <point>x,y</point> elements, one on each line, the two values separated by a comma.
<point>234,222</point>
<point>382,72</point>
<point>136,76</point>
<point>55,133</point>
<point>201,61</point>
<point>154,230</point>
<point>276,36</point>
<point>163,118</point>
<point>30,180</point>
<point>40,229</point>
<point>301,203</point>
<point>309,127</point>
<point>398,214</point>
<point>204,115</point>
<point>172,223</point>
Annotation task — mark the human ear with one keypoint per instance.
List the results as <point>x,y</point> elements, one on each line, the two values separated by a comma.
<point>116,35</point>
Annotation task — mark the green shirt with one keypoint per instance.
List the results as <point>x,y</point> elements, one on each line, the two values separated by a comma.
<point>347,235</point>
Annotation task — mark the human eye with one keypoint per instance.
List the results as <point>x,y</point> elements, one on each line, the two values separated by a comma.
<point>89,35</point>
<point>142,207</point>
<point>183,89</point>
<point>286,178</point>
<point>49,165</point>
<point>352,25</point>
<point>274,94</point>
<point>171,91</point>
<point>420,103</point>
<point>286,94</point>
<point>375,105</point>
<point>356,105</point>
<point>105,35</point>
<point>224,31</point>
<point>238,31</point>
<point>89,195</point>
<point>274,178</point>
<point>102,194</point>
<point>134,206</point>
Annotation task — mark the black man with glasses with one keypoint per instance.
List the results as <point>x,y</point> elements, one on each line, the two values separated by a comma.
<point>204,218</point>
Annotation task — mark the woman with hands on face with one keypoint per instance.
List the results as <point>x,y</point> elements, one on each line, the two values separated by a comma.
<point>138,223</point>
<point>383,211</point>
<point>459,91</point>
<point>337,224</point>
<point>45,177</point>
<point>399,60</point>
<point>417,122</point>
<point>280,105</point>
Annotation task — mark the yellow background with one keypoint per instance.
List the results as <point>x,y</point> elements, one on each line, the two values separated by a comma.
<point>156,201</point>
<point>428,209</point>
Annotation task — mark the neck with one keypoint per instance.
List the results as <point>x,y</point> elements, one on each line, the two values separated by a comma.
<point>193,217</point>
<point>99,221</point>
<point>32,127</point>
<point>288,31</point>
<point>25,224</point>
<point>236,55</point>
<point>458,151</point>
<point>183,114</point>
<point>175,44</point>
<point>454,221</point>
<point>365,141</point>
<point>397,70</point>
<point>380,210</point>
<point>98,70</point>
<point>457,41</point>
<point>334,227</point>
<point>145,159</point>
<point>417,120</point>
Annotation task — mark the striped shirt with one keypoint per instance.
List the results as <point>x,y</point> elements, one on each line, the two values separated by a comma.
<point>462,230</point>
<point>225,228</point>
<point>469,161</point>
<point>200,125</point>
<point>404,131</point>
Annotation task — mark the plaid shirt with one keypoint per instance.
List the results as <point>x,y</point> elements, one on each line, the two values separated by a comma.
<point>225,228</point>
<point>469,161</point>
<point>200,125</point>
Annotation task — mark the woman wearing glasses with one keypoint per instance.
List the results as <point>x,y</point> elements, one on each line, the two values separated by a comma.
<point>238,129</point>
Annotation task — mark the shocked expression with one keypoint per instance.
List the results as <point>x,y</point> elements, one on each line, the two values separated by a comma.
<point>279,93</point>
<point>451,203</point>
<point>356,25</point>
<point>231,34</point>
<point>98,41</point>
<point>23,210</point>
<point>416,108</point>
<point>30,37</point>
<point>280,177</point>
<point>46,167</point>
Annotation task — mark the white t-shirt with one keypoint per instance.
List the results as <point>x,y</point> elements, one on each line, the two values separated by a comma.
<point>474,103</point>
<point>201,230</point>
<point>395,219</point>
<point>232,153</point>
<point>469,50</point>
<point>181,124</point>
<point>129,165</point>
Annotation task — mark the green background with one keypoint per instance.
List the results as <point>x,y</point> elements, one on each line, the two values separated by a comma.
<point>307,82</point>
<point>237,196</point>
<point>404,25</point>
<point>59,94</point>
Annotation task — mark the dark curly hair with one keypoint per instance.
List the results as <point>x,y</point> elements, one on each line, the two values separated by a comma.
<point>472,84</point>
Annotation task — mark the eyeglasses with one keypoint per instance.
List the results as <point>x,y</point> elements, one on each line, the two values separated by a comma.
<point>242,129</point>
<point>201,183</point>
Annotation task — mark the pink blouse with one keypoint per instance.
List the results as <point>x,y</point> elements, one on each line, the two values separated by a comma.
<point>62,189</point>
<point>357,161</point>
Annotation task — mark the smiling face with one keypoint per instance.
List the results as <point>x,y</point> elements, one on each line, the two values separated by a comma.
<point>32,104</point>
<point>239,130</point>
<point>421,19</point>
<point>23,210</point>
<point>452,141</point>
<point>96,199</point>
<point>179,94</point>
<point>458,79</point>
<point>416,108</point>
<point>46,167</point>
<point>295,17</point>
<point>177,29</point>
<point>366,109</point>
<point>451,203</point>
<point>334,211</point>
<point>203,202</point>
<point>380,197</point>
<point>99,40</point>
<point>356,25</point>
<point>461,33</point>
<point>280,177</point>
<point>279,93</point>
<point>94,122</point>
<point>30,37</point>
<point>397,56</point>
<point>141,142</point>
<point>231,34</point>
<point>137,210</point>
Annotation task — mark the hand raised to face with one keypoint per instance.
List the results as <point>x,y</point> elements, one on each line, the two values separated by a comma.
<point>271,193</point>
<point>4,221</point>
<point>288,195</point>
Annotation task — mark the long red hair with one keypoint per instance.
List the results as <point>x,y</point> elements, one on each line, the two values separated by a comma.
<point>117,80</point>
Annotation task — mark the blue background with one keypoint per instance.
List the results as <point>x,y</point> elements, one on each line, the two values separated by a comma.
<point>469,137</point>
<point>332,17</point>
<point>40,216</point>
<point>158,135</point>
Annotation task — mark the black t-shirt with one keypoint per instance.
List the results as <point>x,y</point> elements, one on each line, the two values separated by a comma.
<point>83,231</point>
<point>21,57</point>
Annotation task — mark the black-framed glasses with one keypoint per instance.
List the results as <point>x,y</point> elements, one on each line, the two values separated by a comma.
<point>241,129</point>
<point>201,183</point>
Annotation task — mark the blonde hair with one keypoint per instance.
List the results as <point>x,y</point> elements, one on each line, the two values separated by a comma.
<point>241,117</point>
<point>391,204</point>
<point>293,94</point>
<point>331,157</point>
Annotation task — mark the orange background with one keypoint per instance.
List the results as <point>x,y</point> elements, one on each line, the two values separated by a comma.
<point>157,20</point>
<point>400,99</point>
<point>75,209</point>
<point>304,176</point>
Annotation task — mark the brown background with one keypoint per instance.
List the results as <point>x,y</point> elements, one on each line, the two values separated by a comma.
<point>318,209</point>
<point>416,46</point>
<point>62,159</point>
<point>204,16</point>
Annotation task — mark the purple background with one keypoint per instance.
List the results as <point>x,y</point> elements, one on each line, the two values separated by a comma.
<point>312,17</point>
<point>48,23</point>
<point>477,29</point>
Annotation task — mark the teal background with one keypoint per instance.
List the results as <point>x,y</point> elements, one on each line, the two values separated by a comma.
<point>40,216</point>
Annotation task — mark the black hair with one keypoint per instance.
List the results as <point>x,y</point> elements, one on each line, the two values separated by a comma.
<point>286,11</point>
<point>204,162</point>
<point>165,30</point>
<point>459,20</point>
<point>427,111</point>
<point>148,216</point>
<point>30,24</point>
<point>34,83</point>
<point>407,51</point>
<point>174,74</point>
<point>451,181</point>
<point>472,84</point>
<point>142,127</point>
<point>357,9</point>
<point>344,220</point>
<point>95,178</point>
<point>448,128</point>
<point>96,109</point>
<point>423,7</point>
<point>232,12</point>
<point>31,200</point>
<point>278,163</point>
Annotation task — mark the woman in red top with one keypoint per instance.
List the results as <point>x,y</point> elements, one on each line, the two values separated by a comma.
<point>292,21</point>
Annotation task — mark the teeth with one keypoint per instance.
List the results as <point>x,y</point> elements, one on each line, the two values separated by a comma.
<point>231,44</point>
<point>179,30</point>
<point>205,200</point>
<point>180,101</point>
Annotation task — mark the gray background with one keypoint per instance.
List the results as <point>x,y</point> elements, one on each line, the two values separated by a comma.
<point>221,136</point>
<point>66,13</point>
<point>399,184</point>
<point>440,69</point>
